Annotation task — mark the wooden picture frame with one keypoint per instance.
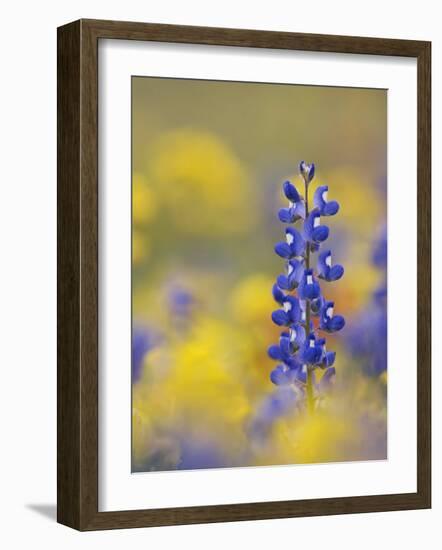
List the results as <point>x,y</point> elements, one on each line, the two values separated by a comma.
<point>77,225</point>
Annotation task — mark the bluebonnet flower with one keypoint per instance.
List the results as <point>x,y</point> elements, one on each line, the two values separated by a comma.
<point>309,288</point>
<point>289,342</point>
<point>300,350</point>
<point>296,208</point>
<point>296,336</point>
<point>313,230</point>
<point>328,321</point>
<point>291,368</point>
<point>295,270</point>
<point>325,269</point>
<point>285,374</point>
<point>290,312</point>
<point>311,351</point>
<point>294,245</point>
<point>320,201</point>
<point>307,171</point>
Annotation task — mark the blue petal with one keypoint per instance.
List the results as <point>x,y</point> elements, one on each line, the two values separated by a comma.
<point>298,245</point>
<point>336,323</point>
<point>307,171</point>
<point>274,352</point>
<point>285,346</point>
<point>316,305</point>
<point>329,358</point>
<point>283,282</point>
<point>308,291</point>
<point>299,210</point>
<point>280,317</point>
<point>295,363</point>
<point>325,208</point>
<point>315,234</point>
<point>278,295</point>
<point>290,192</point>
<point>297,272</point>
<point>294,313</point>
<point>286,215</point>
<point>318,199</point>
<point>309,354</point>
<point>283,250</point>
<point>330,208</point>
<point>279,377</point>
<point>320,233</point>
<point>324,317</point>
<point>323,268</point>
<point>336,272</point>
<point>291,362</point>
<point>301,374</point>
<point>300,335</point>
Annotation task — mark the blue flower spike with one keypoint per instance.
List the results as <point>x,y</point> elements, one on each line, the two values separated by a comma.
<point>296,208</point>
<point>313,230</point>
<point>300,351</point>
<point>307,171</point>
<point>326,208</point>
<point>328,321</point>
<point>325,269</point>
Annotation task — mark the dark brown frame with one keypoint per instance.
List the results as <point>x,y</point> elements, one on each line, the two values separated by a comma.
<point>77,223</point>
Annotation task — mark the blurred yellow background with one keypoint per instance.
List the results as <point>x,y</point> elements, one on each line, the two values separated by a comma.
<point>209,160</point>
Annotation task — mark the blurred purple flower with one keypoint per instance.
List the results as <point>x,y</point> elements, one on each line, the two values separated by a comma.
<point>280,402</point>
<point>143,340</point>
<point>367,339</point>
<point>181,301</point>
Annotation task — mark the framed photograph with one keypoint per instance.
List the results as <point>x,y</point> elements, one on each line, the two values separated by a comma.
<point>244,293</point>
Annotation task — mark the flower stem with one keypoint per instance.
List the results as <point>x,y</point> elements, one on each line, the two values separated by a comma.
<point>309,384</point>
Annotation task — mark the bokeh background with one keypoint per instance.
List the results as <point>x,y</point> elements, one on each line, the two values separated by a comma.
<point>209,159</point>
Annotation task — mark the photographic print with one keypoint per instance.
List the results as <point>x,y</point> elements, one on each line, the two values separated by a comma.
<point>259,274</point>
